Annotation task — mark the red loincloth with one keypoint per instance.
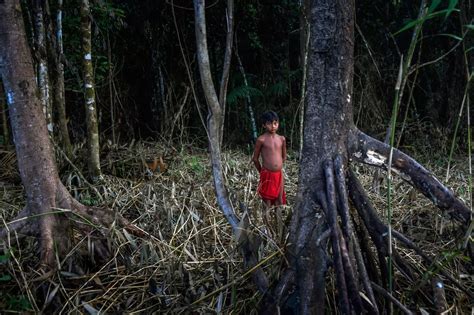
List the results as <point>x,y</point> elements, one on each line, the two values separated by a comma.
<point>270,185</point>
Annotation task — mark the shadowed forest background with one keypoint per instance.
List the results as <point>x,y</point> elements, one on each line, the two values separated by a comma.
<point>155,168</point>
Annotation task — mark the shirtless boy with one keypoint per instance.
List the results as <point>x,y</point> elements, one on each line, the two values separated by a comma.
<point>272,148</point>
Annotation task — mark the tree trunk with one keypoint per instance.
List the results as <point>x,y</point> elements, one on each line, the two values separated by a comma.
<point>46,196</point>
<point>89,92</point>
<point>226,65</point>
<point>322,215</point>
<point>328,119</point>
<point>42,62</point>
<point>3,111</point>
<point>247,242</point>
<point>248,100</point>
<point>59,94</point>
<point>304,46</point>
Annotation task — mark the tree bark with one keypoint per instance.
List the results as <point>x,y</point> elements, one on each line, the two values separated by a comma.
<point>3,111</point>
<point>46,197</point>
<point>304,46</point>
<point>89,93</point>
<point>42,62</point>
<point>331,141</point>
<point>59,94</point>
<point>246,242</point>
<point>226,65</point>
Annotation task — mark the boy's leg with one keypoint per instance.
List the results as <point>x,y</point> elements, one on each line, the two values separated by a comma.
<point>267,219</point>
<point>280,226</point>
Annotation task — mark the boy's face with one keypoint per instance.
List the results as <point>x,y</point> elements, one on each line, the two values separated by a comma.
<point>271,127</point>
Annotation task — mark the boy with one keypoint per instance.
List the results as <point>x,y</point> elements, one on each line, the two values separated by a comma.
<point>272,148</point>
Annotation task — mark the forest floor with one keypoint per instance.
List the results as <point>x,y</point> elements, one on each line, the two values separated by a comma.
<point>189,263</point>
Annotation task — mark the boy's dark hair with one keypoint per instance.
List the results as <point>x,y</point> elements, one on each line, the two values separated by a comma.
<point>268,117</point>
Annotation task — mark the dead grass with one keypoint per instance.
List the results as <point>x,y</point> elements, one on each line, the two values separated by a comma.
<point>189,263</point>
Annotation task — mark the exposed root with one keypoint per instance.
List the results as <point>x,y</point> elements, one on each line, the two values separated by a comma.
<point>391,298</point>
<point>368,150</point>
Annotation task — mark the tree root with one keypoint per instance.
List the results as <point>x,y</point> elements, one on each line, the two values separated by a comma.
<point>391,298</point>
<point>55,221</point>
<point>370,151</point>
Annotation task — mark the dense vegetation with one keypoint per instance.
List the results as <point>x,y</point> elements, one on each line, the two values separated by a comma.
<point>151,108</point>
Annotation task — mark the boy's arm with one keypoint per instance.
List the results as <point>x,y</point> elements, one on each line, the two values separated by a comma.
<point>283,149</point>
<point>256,154</point>
<point>283,155</point>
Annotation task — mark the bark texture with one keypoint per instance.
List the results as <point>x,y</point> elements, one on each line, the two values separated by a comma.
<point>59,94</point>
<point>322,219</point>
<point>3,113</point>
<point>247,243</point>
<point>328,119</point>
<point>89,93</point>
<point>46,197</point>
<point>42,62</point>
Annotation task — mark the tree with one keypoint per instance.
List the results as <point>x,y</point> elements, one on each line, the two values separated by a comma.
<point>326,182</point>
<point>213,129</point>
<point>42,62</point>
<point>47,200</point>
<point>331,142</point>
<point>89,93</point>
<point>59,97</point>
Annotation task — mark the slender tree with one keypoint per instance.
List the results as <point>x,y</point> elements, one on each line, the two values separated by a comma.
<point>42,62</point>
<point>226,64</point>
<point>304,47</point>
<point>89,92</point>
<point>59,94</point>
<point>48,203</point>
<point>3,113</point>
<point>247,242</point>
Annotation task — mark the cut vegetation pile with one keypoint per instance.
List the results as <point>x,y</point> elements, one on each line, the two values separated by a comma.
<point>188,260</point>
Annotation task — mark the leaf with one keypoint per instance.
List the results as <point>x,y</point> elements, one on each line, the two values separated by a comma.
<point>452,36</point>
<point>451,6</point>
<point>242,92</point>
<point>434,5</point>
<point>90,309</point>
<point>5,278</point>
<point>422,20</point>
<point>130,239</point>
<point>409,25</point>
<point>469,26</point>
<point>51,295</point>
<point>4,258</point>
<point>440,12</point>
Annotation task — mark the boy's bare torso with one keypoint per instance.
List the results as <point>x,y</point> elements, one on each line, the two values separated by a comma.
<point>271,148</point>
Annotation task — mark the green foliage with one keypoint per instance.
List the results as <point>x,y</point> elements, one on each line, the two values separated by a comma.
<point>107,17</point>
<point>4,277</point>
<point>241,92</point>
<point>14,303</point>
<point>196,165</point>
<point>11,302</point>
<point>89,200</point>
<point>429,16</point>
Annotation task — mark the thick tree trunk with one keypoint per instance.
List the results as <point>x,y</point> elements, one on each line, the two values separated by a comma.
<point>328,117</point>
<point>45,194</point>
<point>322,211</point>
<point>89,92</point>
<point>34,153</point>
